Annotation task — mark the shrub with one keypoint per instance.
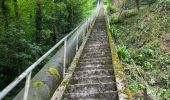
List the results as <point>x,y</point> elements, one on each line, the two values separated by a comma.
<point>129,13</point>
<point>111,9</point>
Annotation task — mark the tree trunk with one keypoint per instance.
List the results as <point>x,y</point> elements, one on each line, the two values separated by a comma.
<point>137,4</point>
<point>54,33</point>
<point>54,25</point>
<point>38,21</point>
<point>72,15</point>
<point>16,10</point>
<point>5,13</point>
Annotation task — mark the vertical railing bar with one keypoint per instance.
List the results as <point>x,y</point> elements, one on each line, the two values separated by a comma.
<point>65,54</point>
<point>27,85</point>
<point>87,25</point>
<point>77,41</point>
<point>84,30</point>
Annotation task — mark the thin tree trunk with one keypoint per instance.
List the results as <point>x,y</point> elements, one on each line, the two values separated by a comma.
<point>16,10</point>
<point>5,13</point>
<point>72,15</point>
<point>137,4</point>
<point>121,11</point>
<point>38,21</point>
<point>54,33</point>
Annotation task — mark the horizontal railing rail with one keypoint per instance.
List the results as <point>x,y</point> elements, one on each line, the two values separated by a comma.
<point>82,28</point>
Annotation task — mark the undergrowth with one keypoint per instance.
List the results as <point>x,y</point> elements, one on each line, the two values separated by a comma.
<point>140,36</point>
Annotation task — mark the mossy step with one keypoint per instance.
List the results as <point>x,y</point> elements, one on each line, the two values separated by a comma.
<point>91,88</point>
<point>109,95</point>
<point>90,80</point>
<point>95,72</point>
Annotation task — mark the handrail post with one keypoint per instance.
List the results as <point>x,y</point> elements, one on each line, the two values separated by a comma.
<point>77,41</point>
<point>84,30</point>
<point>65,54</point>
<point>27,85</point>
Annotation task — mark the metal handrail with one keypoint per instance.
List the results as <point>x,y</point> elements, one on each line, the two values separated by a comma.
<point>27,73</point>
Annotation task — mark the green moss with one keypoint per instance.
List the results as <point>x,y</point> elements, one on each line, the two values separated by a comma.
<point>54,72</point>
<point>38,83</point>
<point>128,92</point>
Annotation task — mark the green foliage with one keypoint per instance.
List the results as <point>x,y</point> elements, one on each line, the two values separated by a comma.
<point>18,49</point>
<point>16,53</point>
<point>142,34</point>
<point>129,13</point>
<point>111,9</point>
<point>122,52</point>
<point>165,94</point>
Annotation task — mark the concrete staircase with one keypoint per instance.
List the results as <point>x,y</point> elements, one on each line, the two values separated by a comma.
<point>94,76</point>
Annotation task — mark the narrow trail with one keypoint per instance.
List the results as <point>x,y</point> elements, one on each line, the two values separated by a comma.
<point>94,76</point>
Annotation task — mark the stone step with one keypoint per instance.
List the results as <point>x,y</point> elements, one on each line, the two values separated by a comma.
<point>95,59</point>
<point>98,44</point>
<point>90,80</point>
<point>95,50</point>
<point>91,88</point>
<point>109,95</point>
<point>91,67</point>
<point>94,45</point>
<point>95,62</point>
<point>94,72</point>
<point>100,30</point>
<point>95,56</point>
<point>100,39</point>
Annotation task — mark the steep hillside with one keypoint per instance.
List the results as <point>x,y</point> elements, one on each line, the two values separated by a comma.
<point>143,45</point>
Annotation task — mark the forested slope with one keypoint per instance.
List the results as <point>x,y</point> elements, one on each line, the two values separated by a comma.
<point>141,32</point>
